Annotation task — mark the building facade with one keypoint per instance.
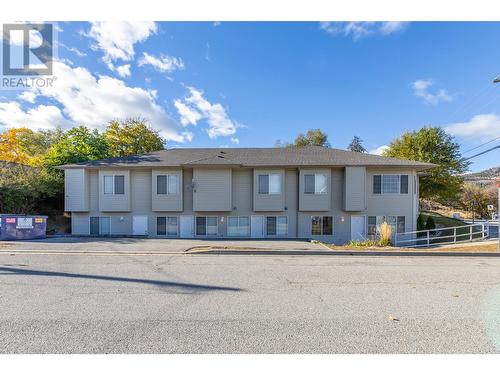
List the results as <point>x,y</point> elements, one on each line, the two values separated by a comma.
<point>311,193</point>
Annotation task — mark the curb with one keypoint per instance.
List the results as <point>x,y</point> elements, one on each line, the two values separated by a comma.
<point>337,253</point>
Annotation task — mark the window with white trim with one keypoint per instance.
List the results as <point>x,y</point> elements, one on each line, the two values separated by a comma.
<point>397,223</point>
<point>315,183</point>
<point>276,225</point>
<point>167,226</point>
<point>238,226</point>
<point>321,225</point>
<point>390,184</point>
<point>269,183</point>
<point>114,184</point>
<point>206,226</point>
<point>167,184</point>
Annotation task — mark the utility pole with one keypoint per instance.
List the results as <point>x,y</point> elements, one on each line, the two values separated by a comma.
<point>498,212</point>
<point>497,80</point>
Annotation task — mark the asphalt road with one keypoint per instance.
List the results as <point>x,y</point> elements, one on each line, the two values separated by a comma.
<point>248,304</point>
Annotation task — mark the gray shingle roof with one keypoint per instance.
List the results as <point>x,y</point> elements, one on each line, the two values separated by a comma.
<point>252,157</point>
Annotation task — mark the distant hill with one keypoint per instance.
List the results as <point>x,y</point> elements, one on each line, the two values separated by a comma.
<point>486,177</point>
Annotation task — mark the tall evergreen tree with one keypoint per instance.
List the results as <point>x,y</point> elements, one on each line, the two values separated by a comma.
<point>356,145</point>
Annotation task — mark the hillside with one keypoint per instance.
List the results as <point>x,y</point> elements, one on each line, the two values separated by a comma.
<point>486,177</point>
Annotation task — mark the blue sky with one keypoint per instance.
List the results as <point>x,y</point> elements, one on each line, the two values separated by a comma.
<point>233,84</point>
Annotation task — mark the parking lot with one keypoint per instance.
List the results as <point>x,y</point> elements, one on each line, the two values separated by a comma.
<point>248,304</point>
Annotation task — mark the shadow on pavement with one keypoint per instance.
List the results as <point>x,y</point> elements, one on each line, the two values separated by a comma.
<point>186,287</point>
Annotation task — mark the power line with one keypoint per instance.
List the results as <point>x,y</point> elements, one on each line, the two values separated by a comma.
<point>481,145</point>
<point>483,152</point>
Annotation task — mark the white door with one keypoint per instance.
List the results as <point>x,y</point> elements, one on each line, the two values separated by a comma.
<point>358,228</point>
<point>186,226</point>
<point>257,226</point>
<point>139,225</point>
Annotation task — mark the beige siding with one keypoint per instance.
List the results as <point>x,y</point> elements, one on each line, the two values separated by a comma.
<point>80,224</point>
<point>212,189</point>
<point>166,202</point>
<point>236,196</point>
<point>76,190</point>
<point>314,202</point>
<point>242,191</point>
<point>392,204</point>
<point>268,202</point>
<point>341,219</point>
<point>114,202</point>
<point>355,189</point>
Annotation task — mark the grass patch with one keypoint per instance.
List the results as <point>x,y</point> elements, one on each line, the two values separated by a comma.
<point>441,220</point>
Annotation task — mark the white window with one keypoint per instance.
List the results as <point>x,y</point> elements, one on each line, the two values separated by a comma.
<point>206,225</point>
<point>315,183</point>
<point>390,184</point>
<point>269,183</point>
<point>167,226</point>
<point>100,226</point>
<point>238,226</point>
<point>167,184</point>
<point>114,184</point>
<point>321,225</point>
<point>397,224</point>
<point>276,225</point>
<point>108,184</point>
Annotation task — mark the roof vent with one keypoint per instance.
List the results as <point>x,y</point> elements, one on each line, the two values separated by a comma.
<point>220,156</point>
<point>223,152</point>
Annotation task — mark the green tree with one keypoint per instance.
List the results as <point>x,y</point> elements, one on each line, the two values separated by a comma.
<point>132,137</point>
<point>356,145</point>
<point>36,143</point>
<point>433,145</point>
<point>22,187</point>
<point>313,137</point>
<point>475,200</point>
<point>77,145</point>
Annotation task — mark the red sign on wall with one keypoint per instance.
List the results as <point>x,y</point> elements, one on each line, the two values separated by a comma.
<point>10,220</point>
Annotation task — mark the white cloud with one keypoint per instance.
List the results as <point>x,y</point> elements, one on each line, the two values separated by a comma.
<point>188,115</point>
<point>28,96</point>
<point>480,128</point>
<point>40,117</point>
<point>165,64</point>
<point>358,30</point>
<point>235,140</point>
<point>116,39</point>
<point>216,23</point>
<point>379,150</point>
<point>123,70</point>
<point>421,89</point>
<point>75,50</point>
<point>195,107</point>
<point>92,101</point>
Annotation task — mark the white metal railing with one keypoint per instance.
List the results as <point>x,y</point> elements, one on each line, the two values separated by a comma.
<point>442,236</point>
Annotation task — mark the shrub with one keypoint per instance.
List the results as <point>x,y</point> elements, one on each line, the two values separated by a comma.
<point>385,234</point>
<point>430,225</point>
<point>364,243</point>
<point>420,223</point>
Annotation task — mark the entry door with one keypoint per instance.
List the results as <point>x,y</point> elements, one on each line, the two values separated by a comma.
<point>257,226</point>
<point>186,226</point>
<point>139,225</point>
<point>358,228</point>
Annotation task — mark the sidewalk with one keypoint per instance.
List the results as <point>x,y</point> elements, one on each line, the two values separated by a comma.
<point>153,246</point>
